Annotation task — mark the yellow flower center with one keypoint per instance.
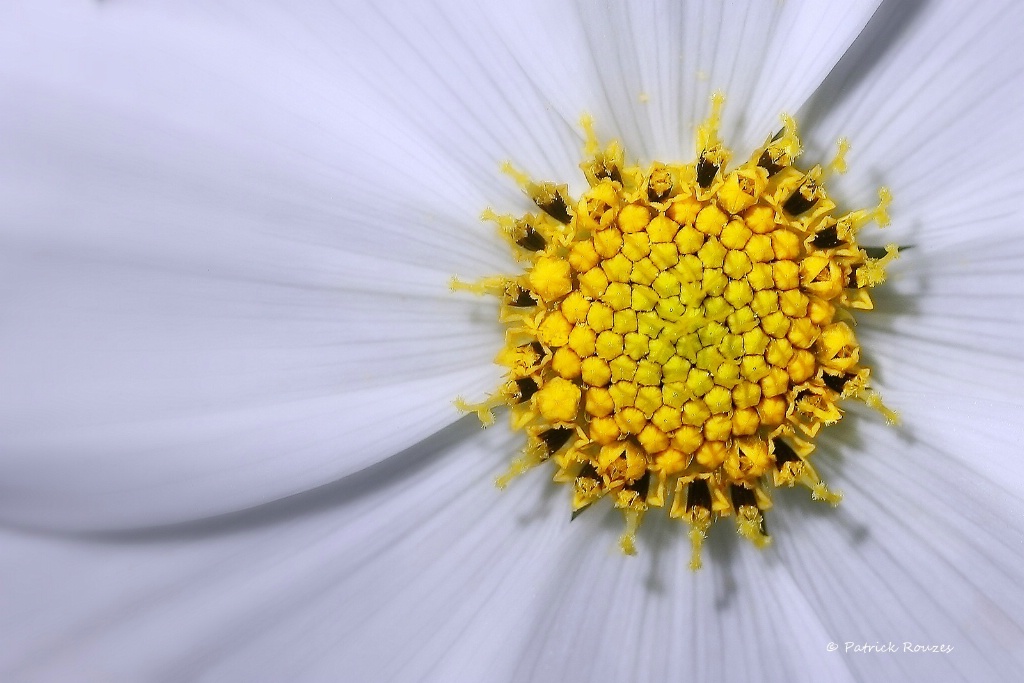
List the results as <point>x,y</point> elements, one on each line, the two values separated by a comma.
<point>681,333</point>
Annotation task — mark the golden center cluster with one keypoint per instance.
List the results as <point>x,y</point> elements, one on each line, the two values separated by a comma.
<point>681,332</point>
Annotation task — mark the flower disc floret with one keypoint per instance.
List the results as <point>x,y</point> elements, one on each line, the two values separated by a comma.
<point>680,335</point>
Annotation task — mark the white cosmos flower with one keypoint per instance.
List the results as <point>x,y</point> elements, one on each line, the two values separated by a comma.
<point>228,353</point>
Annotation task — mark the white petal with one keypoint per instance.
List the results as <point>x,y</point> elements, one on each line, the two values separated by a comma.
<point>206,305</point>
<point>920,551</point>
<point>418,564</point>
<point>658,63</point>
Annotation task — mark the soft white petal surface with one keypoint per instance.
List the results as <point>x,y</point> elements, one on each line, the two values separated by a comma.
<point>252,275</point>
<point>227,230</point>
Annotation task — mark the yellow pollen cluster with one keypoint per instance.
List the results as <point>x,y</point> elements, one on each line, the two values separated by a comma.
<point>681,333</point>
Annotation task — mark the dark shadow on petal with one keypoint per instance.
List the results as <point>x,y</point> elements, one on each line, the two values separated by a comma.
<point>885,29</point>
<point>394,471</point>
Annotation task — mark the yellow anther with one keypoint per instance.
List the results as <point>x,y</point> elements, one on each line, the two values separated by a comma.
<point>772,410</point>
<point>607,242</point>
<point>707,132</point>
<point>644,298</point>
<point>583,340</point>
<point>688,438</point>
<point>599,402</point>
<point>872,273</point>
<point>759,219</point>
<point>623,369</point>
<point>648,400</point>
<point>700,522</point>
<point>558,400</point>
<point>873,400</point>
<point>595,371</point>
<point>674,394</point>
<point>753,368</point>
<point>676,369</point>
<point>718,400</point>
<point>636,245</point>
<point>664,256</point>
<point>881,212</point>
<point>712,254</point>
<point>662,229</point>
<point>759,248</point>
<point>738,293</point>
<point>711,220</point>
<point>779,353</point>
<point>699,382</point>
<point>653,439</point>
<point>718,428</point>
<point>550,278</point>
<point>667,418</point>
<point>760,276</point>
<point>566,363</point>
<point>801,367</point>
<point>775,324</point>
<point>755,342</point>
<point>648,373</point>
<point>746,394</point>
<point>683,210</point>
<point>644,272</point>
<point>634,218</point>
<point>794,303</point>
<point>712,454</point>
<point>609,345</point>
<point>583,256</point>
<point>593,283</point>
<point>554,330</point>
<point>737,264</point>
<point>802,333</point>
<point>745,422</point>
<point>521,179</point>
<point>786,244</point>
<point>742,321</point>
<point>618,296</point>
<point>624,321</point>
<point>774,383</point>
<point>786,275</point>
<point>618,268</point>
<point>599,317</point>
<point>631,420</point>
<point>575,306</point>
<point>624,394</point>
<point>591,144</point>
<point>689,240</point>
<point>604,430</point>
<point>628,539</point>
<point>714,282</point>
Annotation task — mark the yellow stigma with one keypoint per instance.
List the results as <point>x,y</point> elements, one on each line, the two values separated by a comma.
<point>682,332</point>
